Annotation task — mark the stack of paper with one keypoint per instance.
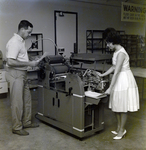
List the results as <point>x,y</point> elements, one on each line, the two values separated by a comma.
<point>92,94</point>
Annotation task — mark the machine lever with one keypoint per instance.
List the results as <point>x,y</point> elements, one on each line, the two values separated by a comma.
<point>53,101</point>
<point>58,102</point>
<point>69,92</point>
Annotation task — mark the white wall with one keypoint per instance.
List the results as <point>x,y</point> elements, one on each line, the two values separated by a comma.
<point>41,14</point>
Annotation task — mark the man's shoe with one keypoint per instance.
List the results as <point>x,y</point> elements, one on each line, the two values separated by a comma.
<point>33,125</point>
<point>20,132</point>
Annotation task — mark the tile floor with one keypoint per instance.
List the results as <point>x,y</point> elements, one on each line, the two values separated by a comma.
<point>48,138</point>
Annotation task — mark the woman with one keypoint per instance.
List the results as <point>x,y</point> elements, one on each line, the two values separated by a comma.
<point>123,89</point>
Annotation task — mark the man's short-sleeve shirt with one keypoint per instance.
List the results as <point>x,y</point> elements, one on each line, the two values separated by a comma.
<point>16,49</point>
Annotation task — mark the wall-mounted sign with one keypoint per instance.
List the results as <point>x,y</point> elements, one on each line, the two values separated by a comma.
<point>133,12</point>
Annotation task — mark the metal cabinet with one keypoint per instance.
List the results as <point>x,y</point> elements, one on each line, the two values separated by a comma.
<point>57,106</point>
<point>74,114</point>
<point>3,83</point>
<point>35,51</point>
<point>95,41</point>
<point>135,46</point>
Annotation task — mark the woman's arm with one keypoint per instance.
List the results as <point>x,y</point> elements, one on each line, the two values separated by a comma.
<point>120,60</point>
<point>109,71</point>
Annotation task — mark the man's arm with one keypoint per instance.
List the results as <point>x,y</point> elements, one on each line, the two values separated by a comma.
<point>16,63</point>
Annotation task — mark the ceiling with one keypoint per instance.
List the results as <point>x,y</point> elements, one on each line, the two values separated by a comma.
<point>112,2</point>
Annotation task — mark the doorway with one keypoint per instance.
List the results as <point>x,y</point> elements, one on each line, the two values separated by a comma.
<point>66,32</point>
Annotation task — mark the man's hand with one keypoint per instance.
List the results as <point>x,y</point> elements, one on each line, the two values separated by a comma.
<point>43,56</point>
<point>33,63</point>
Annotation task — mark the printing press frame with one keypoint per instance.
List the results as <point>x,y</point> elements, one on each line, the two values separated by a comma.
<point>63,104</point>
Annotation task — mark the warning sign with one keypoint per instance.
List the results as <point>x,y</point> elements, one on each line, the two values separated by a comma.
<point>133,12</point>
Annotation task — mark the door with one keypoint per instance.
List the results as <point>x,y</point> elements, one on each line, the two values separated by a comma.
<point>66,34</point>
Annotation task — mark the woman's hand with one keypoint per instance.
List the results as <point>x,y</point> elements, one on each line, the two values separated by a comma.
<point>108,91</point>
<point>95,73</point>
<point>99,74</point>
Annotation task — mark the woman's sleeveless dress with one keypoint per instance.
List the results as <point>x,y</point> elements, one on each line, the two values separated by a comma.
<point>124,95</point>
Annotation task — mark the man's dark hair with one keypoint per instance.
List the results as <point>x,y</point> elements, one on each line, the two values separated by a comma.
<point>24,24</point>
<point>112,36</point>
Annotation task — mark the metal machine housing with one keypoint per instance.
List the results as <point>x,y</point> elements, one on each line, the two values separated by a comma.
<point>62,101</point>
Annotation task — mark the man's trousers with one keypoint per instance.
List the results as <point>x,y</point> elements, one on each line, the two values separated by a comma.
<point>20,98</point>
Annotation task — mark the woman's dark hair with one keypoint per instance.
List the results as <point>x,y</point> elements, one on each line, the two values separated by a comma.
<point>24,24</point>
<point>112,36</point>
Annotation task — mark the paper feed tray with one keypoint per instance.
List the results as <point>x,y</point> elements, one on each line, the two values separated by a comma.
<point>94,97</point>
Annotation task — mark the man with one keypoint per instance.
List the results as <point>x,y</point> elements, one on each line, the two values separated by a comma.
<point>16,75</point>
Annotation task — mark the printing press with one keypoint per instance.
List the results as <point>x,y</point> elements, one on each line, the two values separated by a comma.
<point>70,99</point>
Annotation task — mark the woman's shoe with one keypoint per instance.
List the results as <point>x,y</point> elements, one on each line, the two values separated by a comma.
<point>114,132</point>
<point>120,137</point>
